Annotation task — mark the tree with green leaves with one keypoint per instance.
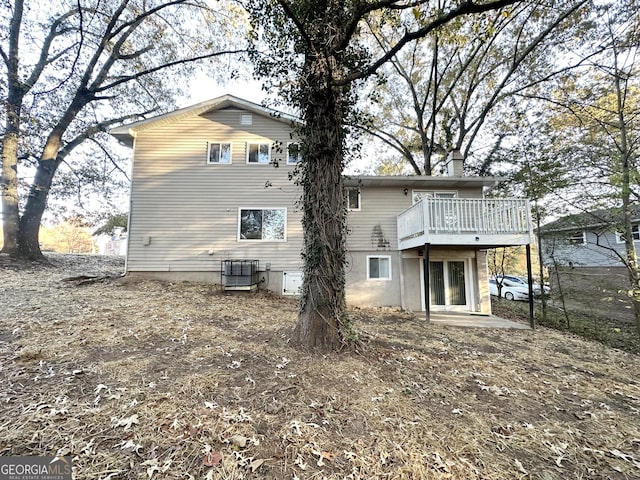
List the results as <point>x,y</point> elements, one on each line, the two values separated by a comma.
<point>313,50</point>
<point>113,223</point>
<point>72,72</point>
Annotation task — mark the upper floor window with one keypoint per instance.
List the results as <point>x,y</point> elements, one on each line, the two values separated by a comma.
<point>418,195</point>
<point>293,153</point>
<point>353,198</point>
<point>577,238</point>
<point>258,153</point>
<point>218,152</point>
<point>262,224</point>
<point>635,233</point>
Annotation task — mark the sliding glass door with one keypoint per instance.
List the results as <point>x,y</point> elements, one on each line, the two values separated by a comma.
<point>448,288</point>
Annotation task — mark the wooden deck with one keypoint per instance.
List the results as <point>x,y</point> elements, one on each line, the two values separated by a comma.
<point>465,221</point>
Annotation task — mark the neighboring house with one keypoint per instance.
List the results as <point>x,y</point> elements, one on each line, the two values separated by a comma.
<point>114,244</point>
<point>212,200</point>
<point>589,239</point>
<point>585,254</point>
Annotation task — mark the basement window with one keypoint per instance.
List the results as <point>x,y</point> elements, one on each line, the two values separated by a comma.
<point>379,268</point>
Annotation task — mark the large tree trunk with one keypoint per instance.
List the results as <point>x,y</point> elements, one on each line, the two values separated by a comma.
<point>323,307</point>
<point>323,322</point>
<point>9,182</point>
<point>28,235</point>
<point>13,108</point>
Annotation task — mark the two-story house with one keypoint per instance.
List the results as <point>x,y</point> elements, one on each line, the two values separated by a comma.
<point>212,200</point>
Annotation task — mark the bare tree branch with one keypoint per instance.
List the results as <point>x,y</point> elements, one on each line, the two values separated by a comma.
<point>465,8</point>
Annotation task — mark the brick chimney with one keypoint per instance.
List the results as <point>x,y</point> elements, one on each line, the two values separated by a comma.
<point>454,164</point>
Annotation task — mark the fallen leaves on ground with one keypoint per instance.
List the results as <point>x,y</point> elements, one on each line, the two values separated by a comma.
<point>145,379</point>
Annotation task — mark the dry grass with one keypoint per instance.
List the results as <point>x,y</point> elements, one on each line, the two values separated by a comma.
<point>148,379</point>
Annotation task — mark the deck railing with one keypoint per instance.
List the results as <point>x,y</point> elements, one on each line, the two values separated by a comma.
<point>450,216</point>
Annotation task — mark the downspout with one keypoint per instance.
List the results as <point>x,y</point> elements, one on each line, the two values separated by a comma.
<point>133,159</point>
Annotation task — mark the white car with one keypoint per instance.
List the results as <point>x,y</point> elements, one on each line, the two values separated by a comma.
<point>510,290</point>
<point>537,291</point>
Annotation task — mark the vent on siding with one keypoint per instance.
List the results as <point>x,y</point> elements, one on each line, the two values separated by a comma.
<point>246,119</point>
<point>291,283</point>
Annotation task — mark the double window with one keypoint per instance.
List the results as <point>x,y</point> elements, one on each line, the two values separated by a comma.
<point>379,268</point>
<point>258,153</point>
<point>262,224</point>
<point>418,195</point>
<point>218,152</point>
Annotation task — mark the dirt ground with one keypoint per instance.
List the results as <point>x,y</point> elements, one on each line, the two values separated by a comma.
<point>145,379</point>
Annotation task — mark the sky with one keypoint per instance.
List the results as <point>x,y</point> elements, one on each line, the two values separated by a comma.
<point>203,88</point>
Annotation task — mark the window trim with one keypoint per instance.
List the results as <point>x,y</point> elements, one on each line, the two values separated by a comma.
<point>571,238</point>
<point>209,162</point>
<point>635,231</point>
<point>388,257</point>
<point>261,240</point>
<point>248,147</point>
<point>434,193</point>
<point>299,153</point>
<point>349,209</point>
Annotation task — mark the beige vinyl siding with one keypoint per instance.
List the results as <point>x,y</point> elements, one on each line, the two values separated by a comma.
<point>374,226</point>
<point>189,209</point>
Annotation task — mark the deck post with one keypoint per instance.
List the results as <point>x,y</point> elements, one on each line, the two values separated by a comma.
<point>532,321</point>
<point>426,286</point>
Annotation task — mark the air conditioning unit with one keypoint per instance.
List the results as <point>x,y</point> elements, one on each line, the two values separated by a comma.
<point>239,274</point>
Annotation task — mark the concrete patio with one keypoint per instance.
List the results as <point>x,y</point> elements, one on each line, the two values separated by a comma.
<point>477,320</point>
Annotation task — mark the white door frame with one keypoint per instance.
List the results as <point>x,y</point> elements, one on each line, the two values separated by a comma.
<point>468,283</point>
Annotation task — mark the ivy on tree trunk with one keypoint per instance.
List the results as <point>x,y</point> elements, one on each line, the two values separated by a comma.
<point>316,59</point>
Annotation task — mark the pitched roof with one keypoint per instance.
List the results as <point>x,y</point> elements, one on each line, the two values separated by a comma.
<point>593,220</point>
<point>126,133</point>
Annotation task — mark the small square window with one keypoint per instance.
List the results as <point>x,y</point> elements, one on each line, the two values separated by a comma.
<point>293,153</point>
<point>379,268</point>
<point>353,198</point>
<point>218,152</point>
<point>258,153</point>
<point>246,119</point>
